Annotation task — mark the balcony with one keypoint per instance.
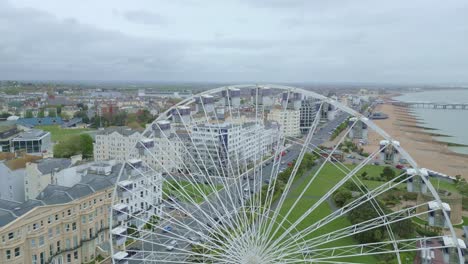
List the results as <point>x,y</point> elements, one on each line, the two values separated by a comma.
<point>119,257</point>
<point>119,235</point>
<point>125,188</point>
<point>120,212</point>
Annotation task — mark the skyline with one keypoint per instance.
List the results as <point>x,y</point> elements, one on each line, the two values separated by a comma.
<point>185,41</point>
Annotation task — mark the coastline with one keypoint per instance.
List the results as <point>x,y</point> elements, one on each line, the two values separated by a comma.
<point>419,141</point>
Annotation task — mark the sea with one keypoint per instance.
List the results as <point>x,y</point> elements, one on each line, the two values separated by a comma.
<point>453,123</point>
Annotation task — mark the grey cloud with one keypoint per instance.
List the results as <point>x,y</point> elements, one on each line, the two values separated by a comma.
<point>40,46</point>
<point>396,41</point>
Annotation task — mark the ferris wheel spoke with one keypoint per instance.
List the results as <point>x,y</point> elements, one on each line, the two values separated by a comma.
<point>363,188</point>
<point>177,205</point>
<point>176,222</point>
<point>330,192</point>
<point>377,222</point>
<point>215,192</point>
<point>346,209</point>
<point>276,221</point>
<point>378,248</point>
<point>232,177</point>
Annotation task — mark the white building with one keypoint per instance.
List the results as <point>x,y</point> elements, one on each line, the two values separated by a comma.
<point>34,142</point>
<point>308,112</point>
<point>12,174</point>
<point>219,145</point>
<point>289,121</point>
<point>41,173</point>
<point>115,144</point>
<point>140,194</point>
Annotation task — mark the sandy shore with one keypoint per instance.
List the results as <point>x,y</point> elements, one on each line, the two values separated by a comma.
<point>418,142</point>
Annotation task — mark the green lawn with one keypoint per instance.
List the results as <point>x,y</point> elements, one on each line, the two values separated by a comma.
<point>61,134</point>
<point>443,185</point>
<point>328,178</point>
<point>185,190</point>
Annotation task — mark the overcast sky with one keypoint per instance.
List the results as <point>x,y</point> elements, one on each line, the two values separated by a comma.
<point>397,41</point>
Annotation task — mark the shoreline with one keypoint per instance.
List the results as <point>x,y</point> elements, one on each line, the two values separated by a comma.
<point>419,141</point>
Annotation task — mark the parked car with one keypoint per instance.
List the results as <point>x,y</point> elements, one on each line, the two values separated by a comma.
<point>167,229</point>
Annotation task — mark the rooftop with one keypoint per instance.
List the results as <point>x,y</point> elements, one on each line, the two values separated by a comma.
<point>31,134</point>
<point>124,131</point>
<point>20,163</point>
<point>36,121</point>
<point>48,165</point>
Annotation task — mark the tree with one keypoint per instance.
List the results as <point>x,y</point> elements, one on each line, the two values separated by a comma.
<point>28,114</point>
<point>342,196</point>
<point>86,142</point>
<point>83,115</point>
<point>41,113</point>
<point>52,112</point>
<point>5,115</point>
<point>65,116</point>
<point>78,144</point>
<point>388,173</point>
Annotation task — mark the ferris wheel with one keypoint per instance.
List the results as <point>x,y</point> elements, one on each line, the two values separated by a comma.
<point>256,174</point>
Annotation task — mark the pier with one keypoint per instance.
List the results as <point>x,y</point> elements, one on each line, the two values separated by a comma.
<point>433,105</point>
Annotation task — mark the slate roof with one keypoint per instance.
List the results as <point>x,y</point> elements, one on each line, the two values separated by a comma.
<point>72,122</point>
<point>31,134</point>
<point>55,194</point>
<point>46,166</point>
<point>124,131</point>
<point>10,210</point>
<point>43,121</point>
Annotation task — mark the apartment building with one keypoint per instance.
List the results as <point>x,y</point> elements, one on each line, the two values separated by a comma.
<point>12,175</point>
<point>115,144</point>
<point>289,121</point>
<point>57,171</point>
<point>220,144</point>
<point>308,112</point>
<point>71,224</point>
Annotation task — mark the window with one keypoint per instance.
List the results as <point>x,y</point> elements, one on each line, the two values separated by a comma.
<point>34,226</point>
<point>41,240</point>
<point>42,223</point>
<point>75,255</point>
<point>74,226</point>
<point>57,230</point>
<point>90,217</point>
<point>11,235</point>
<point>75,241</point>
<point>83,219</point>
<point>68,212</point>
<point>51,249</point>
<point>33,242</point>
<point>56,217</point>
<point>42,258</point>
<point>58,246</point>
<point>8,254</point>
<point>49,220</point>
<point>17,252</point>
<point>51,232</point>
<point>67,227</point>
<point>34,259</point>
<point>68,257</point>
<point>67,243</point>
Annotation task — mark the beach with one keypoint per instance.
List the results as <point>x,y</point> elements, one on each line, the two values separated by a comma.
<point>403,125</point>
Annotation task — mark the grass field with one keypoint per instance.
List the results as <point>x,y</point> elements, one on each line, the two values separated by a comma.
<point>193,190</point>
<point>328,178</point>
<point>60,134</point>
